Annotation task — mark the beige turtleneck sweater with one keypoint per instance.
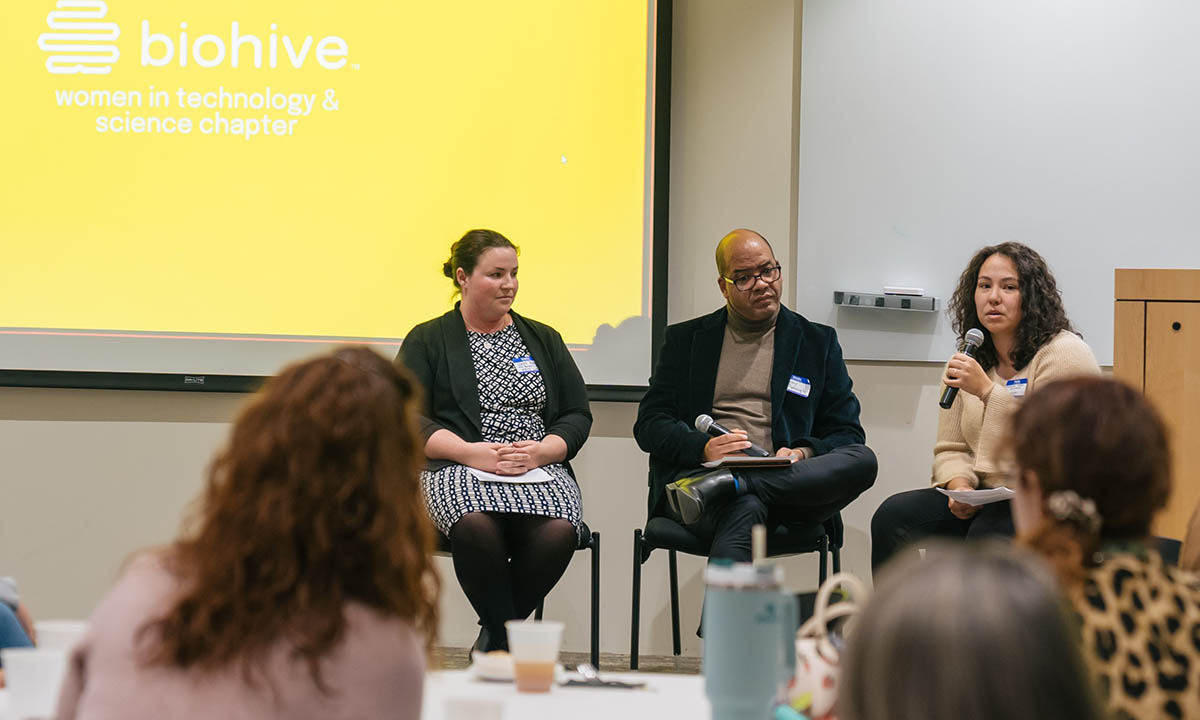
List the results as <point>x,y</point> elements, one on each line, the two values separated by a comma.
<point>970,432</point>
<point>742,396</point>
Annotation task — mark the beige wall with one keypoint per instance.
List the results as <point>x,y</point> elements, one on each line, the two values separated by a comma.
<point>90,475</point>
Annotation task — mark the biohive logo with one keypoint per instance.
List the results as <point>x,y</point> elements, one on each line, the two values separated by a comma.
<point>159,49</point>
<point>85,47</point>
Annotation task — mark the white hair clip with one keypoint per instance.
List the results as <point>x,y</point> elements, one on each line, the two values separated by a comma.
<point>1068,506</point>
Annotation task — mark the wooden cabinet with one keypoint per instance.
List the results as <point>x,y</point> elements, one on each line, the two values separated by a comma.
<point>1156,348</point>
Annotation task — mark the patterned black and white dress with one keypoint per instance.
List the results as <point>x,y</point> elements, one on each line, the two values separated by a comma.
<point>510,407</point>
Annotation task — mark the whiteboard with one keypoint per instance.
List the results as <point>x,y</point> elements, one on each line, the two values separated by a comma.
<point>930,128</point>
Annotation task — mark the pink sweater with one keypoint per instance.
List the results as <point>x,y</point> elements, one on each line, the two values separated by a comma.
<point>376,672</point>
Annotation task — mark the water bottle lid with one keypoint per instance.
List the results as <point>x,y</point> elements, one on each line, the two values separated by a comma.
<point>743,575</point>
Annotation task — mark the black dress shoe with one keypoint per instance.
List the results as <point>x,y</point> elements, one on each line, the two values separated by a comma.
<point>691,497</point>
<point>486,643</point>
<point>481,642</point>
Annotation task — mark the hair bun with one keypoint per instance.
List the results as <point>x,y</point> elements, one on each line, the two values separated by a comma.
<point>448,270</point>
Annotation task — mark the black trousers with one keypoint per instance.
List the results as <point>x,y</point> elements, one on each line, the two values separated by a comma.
<point>909,517</point>
<point>811,490</point>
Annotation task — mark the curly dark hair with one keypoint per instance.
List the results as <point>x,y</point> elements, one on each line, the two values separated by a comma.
<point>314,503</point>
<point>1042,313</point>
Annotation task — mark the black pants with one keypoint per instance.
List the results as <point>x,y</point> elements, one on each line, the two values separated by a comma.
<point>909,517</point>
<point>810,490</point>
<point>506,563</point>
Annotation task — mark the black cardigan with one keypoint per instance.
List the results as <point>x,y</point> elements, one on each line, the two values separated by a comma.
<point>686,377</point>
<point>437,352</point>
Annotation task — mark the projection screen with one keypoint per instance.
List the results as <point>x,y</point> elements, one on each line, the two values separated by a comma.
<point>218,188</point>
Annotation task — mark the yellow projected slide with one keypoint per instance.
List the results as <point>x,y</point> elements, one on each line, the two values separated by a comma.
<point>301,167</point>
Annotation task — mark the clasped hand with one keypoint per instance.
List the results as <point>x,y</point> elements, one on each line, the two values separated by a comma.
<point>515,458</point>
<point>966,374</point>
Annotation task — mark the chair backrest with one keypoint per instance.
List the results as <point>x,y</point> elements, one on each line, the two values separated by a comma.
<point>1169,549</point>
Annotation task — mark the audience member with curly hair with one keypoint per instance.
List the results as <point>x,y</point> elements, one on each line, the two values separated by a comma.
<point>303,587</point>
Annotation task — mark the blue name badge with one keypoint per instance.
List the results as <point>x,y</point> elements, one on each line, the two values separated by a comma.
<point>799,386</point>
<point>1016,388</point>
<point>525,365</point>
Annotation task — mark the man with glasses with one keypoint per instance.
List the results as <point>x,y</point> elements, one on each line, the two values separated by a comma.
<point>779,383</point>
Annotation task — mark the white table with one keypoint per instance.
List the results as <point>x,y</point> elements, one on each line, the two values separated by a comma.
<point>665,696</point>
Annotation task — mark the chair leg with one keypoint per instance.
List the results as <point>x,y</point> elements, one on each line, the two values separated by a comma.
<point>596,599</point>
<point>837,560</point>
<point>824,559</point>
<point>675,603</point>
<point>634,617</point>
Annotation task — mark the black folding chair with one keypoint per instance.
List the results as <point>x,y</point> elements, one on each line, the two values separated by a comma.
<point>665,534</point>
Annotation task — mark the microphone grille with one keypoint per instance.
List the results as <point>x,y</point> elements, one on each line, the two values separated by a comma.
<point>974,337</point>
<point>703,422</point>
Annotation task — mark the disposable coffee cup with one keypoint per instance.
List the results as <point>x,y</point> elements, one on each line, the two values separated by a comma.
<point>60,634</point>
<point>33,677</point>
<point>534,650</point>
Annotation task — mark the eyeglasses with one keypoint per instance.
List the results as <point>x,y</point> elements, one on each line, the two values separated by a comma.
<point>745,282</point>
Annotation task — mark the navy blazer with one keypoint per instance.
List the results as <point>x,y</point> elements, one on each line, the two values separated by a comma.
<point>437,352</point>
<point>685,379</point>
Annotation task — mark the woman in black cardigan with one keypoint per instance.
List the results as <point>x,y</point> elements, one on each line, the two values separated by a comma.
<point>507,410</point>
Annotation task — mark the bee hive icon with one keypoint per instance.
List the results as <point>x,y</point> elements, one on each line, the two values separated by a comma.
<point>82,46</point>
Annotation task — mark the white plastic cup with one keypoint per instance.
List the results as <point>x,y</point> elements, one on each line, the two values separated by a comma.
<point>60,634</point>
<point>33,677</point>
<point>534,650</point>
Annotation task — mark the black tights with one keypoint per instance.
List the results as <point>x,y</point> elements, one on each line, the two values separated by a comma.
<point>507,562</point>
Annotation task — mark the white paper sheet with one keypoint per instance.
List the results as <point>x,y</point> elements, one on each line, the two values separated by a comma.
<point>536,475</point>
<point>979,497</point>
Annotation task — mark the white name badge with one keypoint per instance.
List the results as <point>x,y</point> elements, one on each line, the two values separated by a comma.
<point>799,386</point>
<point>1016,388</point>
<point>525,365</point>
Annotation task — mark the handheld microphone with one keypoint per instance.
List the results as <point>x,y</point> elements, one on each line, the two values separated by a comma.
<point>705,423</point>
<point>973,340</point>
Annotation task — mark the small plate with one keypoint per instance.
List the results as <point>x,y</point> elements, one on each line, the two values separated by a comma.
<point>495,666</point>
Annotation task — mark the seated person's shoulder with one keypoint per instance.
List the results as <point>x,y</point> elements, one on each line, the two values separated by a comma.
<point>1070,341</point>
<point>149,570</point>
<point>1069,348</point>
<point>689,326</point>
<point>428,327</point>
<point>540,327</point>
<point>813,332</point>
<point>144,590</point>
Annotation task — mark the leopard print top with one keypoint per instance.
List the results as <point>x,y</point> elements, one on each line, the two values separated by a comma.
<point>1140,633</point>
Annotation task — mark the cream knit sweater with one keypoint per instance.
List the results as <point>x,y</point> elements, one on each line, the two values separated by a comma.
<point>971,431</point>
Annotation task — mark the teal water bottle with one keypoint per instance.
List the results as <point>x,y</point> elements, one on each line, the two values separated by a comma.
<point>749,639</point>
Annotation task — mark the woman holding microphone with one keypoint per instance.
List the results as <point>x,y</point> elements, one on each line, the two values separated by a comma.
<point>1009,294</point>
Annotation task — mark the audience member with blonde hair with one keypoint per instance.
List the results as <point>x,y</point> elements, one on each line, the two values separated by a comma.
<point>974,631</point>
<point>1093,469</point>
<point>304,587</point>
